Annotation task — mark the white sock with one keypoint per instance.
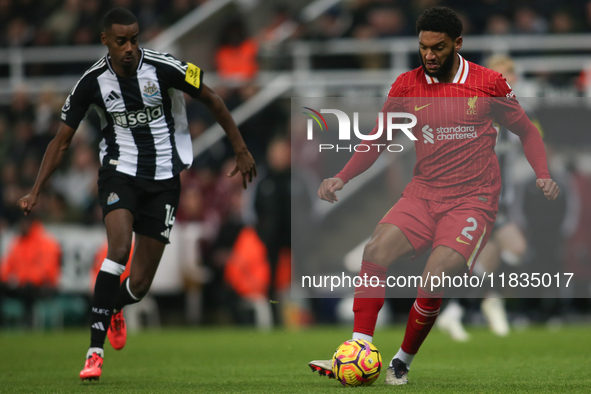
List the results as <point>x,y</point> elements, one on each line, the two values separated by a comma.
<point>365,337</point>
<point>96,350</point>
<point>404,357</point>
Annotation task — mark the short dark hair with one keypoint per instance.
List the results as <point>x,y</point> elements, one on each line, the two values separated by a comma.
<point>440,20</point>
<point>118,16</point>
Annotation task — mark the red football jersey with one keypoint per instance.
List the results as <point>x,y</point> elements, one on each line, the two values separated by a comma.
<point>455,143</point>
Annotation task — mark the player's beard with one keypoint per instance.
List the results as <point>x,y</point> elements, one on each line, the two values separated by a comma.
<point>445,67</point>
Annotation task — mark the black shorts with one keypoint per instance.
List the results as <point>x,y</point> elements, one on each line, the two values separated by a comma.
<point>153,203</point>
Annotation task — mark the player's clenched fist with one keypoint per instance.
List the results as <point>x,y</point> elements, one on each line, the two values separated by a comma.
<point>549,187</point>
<point>27,203</point>
<point>328,188</point>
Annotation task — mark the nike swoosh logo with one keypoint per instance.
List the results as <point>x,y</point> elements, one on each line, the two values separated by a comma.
<point>464,242</point>
<point>420,108</point>
<point>423,323</point>
<point>357,292</point>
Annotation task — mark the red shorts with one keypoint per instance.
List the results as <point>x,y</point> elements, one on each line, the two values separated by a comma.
<point>464,227</point>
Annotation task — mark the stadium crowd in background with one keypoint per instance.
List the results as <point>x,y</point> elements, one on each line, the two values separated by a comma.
<point>75,22</point>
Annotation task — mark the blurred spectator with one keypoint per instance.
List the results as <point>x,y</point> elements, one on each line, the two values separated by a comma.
<point>179,9</point>
<point>587,16</point>
<point>389,22</point>
<point>5,140</point>
<point>221,303</point>
<point>547,248</point>
<point>198,116</point>
<point>148,13</point>
<point>90,11</point>
<point>578,250</point>
<point>281,28</point>
<point>31,10</point>
<point>55,209</point>
<point>247,272</point>
<point>23,140</point>
<point>498,25</point>
<point>545,233</point>
<point>527,21</point>
<point>260,128</point>
<point>236,56</point>
<point>149,19</point>
<point>129,4</point>
<point>190,204</point>
<point>29,168</point>
<point>46,110</point>
<point>273,209</point>
<point>19,33</point>
<point>201,199</point>
<point>79,182</point>
<point>21,107</point>
<point>43,37</point>
<point>10,189</point>
<point>84,35</point>
<point>31,269</point>
<point>334,23</point>
<point>65,22</point>
<point>6,14</point>
<point>61,23</point>
<point>562,22</point>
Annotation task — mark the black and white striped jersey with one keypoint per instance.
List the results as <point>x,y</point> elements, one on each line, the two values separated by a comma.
<point>143,118</point>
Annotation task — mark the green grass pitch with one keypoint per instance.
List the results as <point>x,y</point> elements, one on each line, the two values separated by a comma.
<point>246,361</point>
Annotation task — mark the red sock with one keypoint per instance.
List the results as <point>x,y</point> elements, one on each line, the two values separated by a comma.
<point>368,299</point>
<point>421,318</point>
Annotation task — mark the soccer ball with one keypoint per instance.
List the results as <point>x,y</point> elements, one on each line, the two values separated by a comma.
<point>356,363</point>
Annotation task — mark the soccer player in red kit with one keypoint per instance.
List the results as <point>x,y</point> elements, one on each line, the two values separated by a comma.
<point>451,202</point>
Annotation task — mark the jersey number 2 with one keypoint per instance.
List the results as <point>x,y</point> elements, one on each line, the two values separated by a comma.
<point>467,229</point>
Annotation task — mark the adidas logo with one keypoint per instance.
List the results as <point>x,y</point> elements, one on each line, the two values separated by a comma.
<point>113,198</point>
<point>428,134</point>
<point>112,96</point>
<point>166,233</point>
<point>98,326</point>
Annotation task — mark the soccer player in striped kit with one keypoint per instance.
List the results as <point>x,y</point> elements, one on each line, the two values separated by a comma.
<point>452,200</point>
<point>138,95</point>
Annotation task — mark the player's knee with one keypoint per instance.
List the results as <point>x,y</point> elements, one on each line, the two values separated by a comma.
<point>119,254</point>
<point>377,253</point>
<point>139,287</point>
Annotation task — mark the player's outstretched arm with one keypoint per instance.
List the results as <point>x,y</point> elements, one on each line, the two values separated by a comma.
<point>244,161</point>
<point>51,161</point>
<point>533,147</point>
<point>328,188</point>
<point>549,187</point>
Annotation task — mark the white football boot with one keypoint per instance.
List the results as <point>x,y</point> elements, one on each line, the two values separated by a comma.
<point>450,321</point>
<point>493,310</point>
